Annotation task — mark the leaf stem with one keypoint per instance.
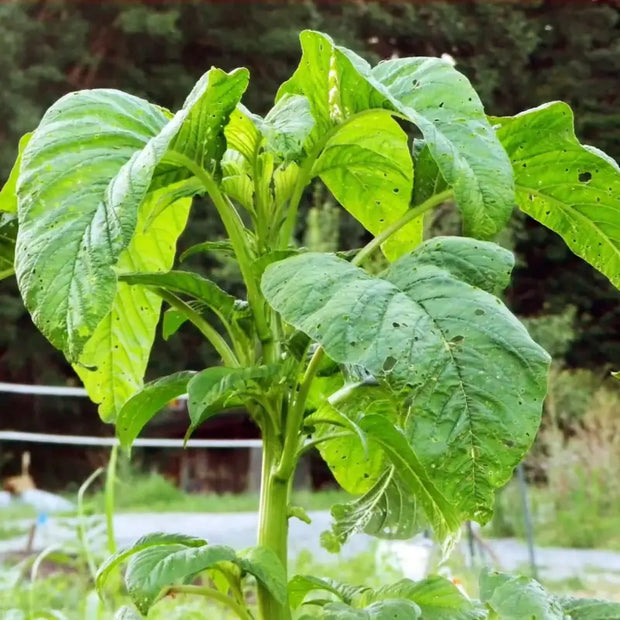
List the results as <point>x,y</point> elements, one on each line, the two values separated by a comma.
<point>315,442</point>
<point>295,417</point>
<point>211,334</point>
<point>237,233</point>
<point>211,594</point>
<point>393,228</point>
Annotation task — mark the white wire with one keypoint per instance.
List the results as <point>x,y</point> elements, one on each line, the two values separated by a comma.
<point>47,390</point>
<point>82,440</point>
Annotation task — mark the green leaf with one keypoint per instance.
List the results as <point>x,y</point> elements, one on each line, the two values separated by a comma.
<point>437,597</point>
<point>482,264</point>
<point>589,609</point>
<point>471,375</point>
<point>8,194</point>
<point>430,93</point>
<point>157,567</point>
<point>8,234</point>
<point>151,399</point>
<point>215,389</point>
<point>355,464</point>
<point>387,510</point>
<point>187,283</point>
<point>171,193</point>
<point>154,539</point>
<point>90,149</point>
<point>517,598</point>
<point>265,566</point>
<point>367,166</point>
<point>381,610</point>
<point>287,126</point>
<point>100,149</point>
<point>447,110</point>
<point>242,132</point>
<point>237,179</point>
<point>114,360</point>
<point>223,247</point>
<point>412,475</point>
<point>570,188</point>
<point>301,585</point>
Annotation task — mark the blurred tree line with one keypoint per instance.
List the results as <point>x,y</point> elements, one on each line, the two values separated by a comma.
<point>517,54</point>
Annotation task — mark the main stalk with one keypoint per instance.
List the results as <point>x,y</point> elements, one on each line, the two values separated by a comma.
<point>273,527</point>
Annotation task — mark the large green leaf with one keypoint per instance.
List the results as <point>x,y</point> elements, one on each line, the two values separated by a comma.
<point>473,378</point>
<point>8,234</point>
<point>431,94</point>
<point>572,189</point>
<point>367,167</point>
<point>84,173</point>
<point>151,399</point>
<point>187,283</point>
<point>518,598</point>
<point>215,389</point>
<point>114,360</point>
<point>8,194</point>
<point>589,609</point>
<point>83,177</point>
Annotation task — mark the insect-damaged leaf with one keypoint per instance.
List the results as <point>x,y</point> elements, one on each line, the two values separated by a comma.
<point>471,375</point>
<point>570,188</point>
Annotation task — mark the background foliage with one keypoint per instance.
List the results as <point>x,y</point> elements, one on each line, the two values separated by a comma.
<point>517,54</point>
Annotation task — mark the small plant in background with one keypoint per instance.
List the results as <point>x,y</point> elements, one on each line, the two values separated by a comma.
<point>419,388</point>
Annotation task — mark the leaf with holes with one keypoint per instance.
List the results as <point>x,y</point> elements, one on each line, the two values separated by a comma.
<point>367,167</point>
<point>151,399</point>
<point>570,188</point>
<point>100,150</point>
<point>428,92</point>
<point>114,360</point>
<point>441,343</point>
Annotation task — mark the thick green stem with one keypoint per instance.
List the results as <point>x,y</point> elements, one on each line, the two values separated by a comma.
<point>273,528</point>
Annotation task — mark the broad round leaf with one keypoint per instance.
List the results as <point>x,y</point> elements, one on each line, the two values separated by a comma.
<point>79,189</point>
<point>570,188</point>
<point>474,379</point>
